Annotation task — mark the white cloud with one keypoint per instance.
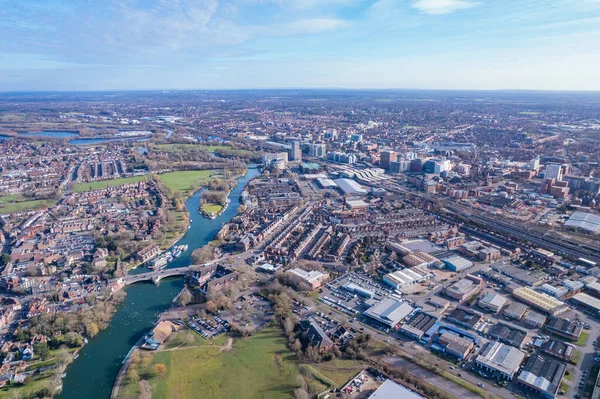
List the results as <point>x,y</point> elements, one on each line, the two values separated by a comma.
<point>438,7</point>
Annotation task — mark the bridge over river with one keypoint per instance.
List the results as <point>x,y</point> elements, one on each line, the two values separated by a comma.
<point>136,278</point>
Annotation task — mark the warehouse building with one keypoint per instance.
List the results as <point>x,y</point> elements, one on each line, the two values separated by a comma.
<point>515,311</point>
<point>569,329</point>
<point>393,390</point>
<point>540,301</point>
<point>418,325</point>
<point>584,221</point>
<point>500,360</point>
<point>406,277</point>
<point>465,288</point>
<point>389,312</point>
<point>465,317</point>
<point>358,290</point>
<point>508,334</point>
<point>534,319</point>
<point>558,349</point>
<point>542,375</point>
<point>457,263</point>
<point>453,345</point>
<point>587,302</point>
<point>492,302</point>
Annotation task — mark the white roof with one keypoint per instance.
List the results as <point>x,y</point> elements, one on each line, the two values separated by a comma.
<point>350,186</point>
<point>393,390</point>
<point>390,311</point>
<point>585,221</point>
<point>501,357</point>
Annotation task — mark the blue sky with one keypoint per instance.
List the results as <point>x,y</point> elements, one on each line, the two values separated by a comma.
<point>228,44</point>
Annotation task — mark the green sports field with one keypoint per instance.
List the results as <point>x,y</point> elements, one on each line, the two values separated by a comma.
<point>185,181</point>
<point>257,367</point>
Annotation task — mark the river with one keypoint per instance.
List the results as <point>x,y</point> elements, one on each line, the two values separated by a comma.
<point>92,375</point>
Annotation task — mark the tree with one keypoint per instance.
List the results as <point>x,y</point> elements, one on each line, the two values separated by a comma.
<point>132,374</point>
<point>145,390</point>
<point>185,297</point>
<point>91,329</point>
<point>300,393</point>
<point>203,255</point>
<point>41,349</point>
<point>5,259</point>
<point>160,369</point>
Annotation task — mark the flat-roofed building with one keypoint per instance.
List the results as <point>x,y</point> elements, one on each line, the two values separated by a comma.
<point>589,303</point>
<point>542,375</point>
<point>453,345</point>
<point>492,302</point>
<point>440,304</point>
<point>314,278</point>
<point>516,310</point>
<point>569,329</point>
<point>534,319</point>
<point>418,325</point>
<point>406,277</point>
<point>358,290</point>
<point>558,349</point>
<point>540,301</point>
<point>393,390</point>
<point>457,263</point>
<point>500,360</point>
<point>464,288</point>
<point>465,317</point>
<point>508,334</point>
<point>389,311</point>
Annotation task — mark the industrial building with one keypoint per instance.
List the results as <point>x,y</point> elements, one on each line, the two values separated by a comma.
<point>584,221</point>
<point>453,345</point>
<point>393,390</point>
<point>558,349</point>
<point>418,325</point>
<point>358,290</point>
<point>587,302</point>
<point>464,288</point>
<point>534,319</point>
<point>465,317</point>
<point>542,375</point>
<point>515,310</point>
<point>457,263</point>
<point>421,259</point>
<point>508,334</point>
<point>389,311</point>
<point>540,301</point>
<point>492,302</point>
<point>569,329</point>
<point>500,360</point>
<point>406,277</point>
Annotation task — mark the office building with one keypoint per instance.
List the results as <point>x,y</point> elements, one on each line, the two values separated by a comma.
<point>386,158</point>
<point>295,151</point>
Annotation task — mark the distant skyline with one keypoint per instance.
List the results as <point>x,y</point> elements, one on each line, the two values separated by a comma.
<point>252,44</point>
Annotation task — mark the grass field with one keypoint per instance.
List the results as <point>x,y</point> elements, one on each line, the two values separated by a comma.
<point>529,113</point>
<point>257,367</point>
<point>582,339</point>
<point>25,205</point>
<point>97,185</point>
<point>214,208</point>
<point>185,181</point>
